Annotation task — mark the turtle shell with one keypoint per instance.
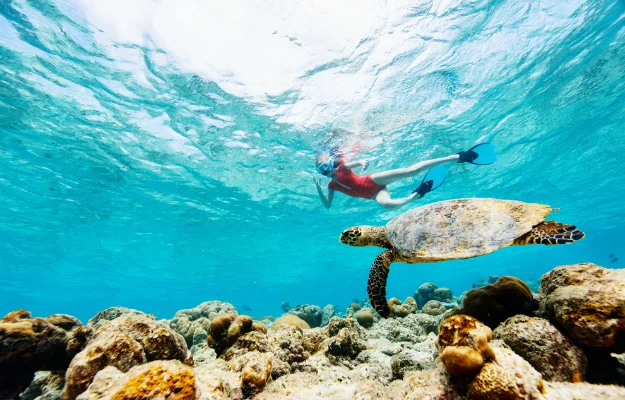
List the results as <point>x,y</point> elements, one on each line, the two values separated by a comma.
<point>462,228</point>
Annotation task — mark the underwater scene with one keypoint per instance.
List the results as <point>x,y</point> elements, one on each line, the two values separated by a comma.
<point>312,199</point>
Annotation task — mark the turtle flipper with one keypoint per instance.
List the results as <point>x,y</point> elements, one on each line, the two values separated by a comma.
<point>550,232</point>
<point>376,287</point>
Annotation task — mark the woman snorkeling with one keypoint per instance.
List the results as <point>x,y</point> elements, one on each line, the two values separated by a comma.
<point>373,186</point>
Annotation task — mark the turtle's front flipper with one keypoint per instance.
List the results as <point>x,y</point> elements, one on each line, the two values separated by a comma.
<point>376,287</point>
<point>550,232</point>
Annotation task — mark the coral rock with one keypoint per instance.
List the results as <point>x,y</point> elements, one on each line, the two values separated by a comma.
<point>510,377</point>
<point>433,307</point>
<point>347,340</point>
<point>422,385</point>
<point>31,344</point>
<point>288,346</point>
<point>255,369</point>
<point>111,313</point>
<point>252,341</point>
<point>412,328</point>
<point>588,302</point>
<point>401,310</point>
<point>365,317</point>
<point>226,329</point>
<point>291,320</point>
<point>327,313</point>
<point>568,391</point>
<point>154,380</point>
<point>493,304</point>
<point>443,295</point>
<point>309,313</point>
<point>463,343</point>
<point>123,343</point>
<point>46,385</point>
<point>551,353</point>
<point>410,360</point>
<point>185,322</point>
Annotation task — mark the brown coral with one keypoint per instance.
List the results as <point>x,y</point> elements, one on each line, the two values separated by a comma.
<point>399,309</point>
<point>493,304</point>
<point>226,329</point>
<point>463,343</point>
<point>123,343</point>
<point>365,317</point>
<point>31,344</point>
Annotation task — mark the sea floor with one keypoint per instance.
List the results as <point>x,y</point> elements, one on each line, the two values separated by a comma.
<point>498,341</point>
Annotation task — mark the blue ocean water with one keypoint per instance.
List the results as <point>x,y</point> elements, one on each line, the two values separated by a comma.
<point>159,154</point>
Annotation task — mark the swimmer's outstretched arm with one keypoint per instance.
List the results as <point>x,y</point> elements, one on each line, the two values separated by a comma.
<point>327,201</point>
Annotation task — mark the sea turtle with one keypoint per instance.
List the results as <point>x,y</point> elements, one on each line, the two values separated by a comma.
<point>451,230</point>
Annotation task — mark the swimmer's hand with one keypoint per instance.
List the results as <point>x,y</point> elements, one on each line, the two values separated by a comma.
<point>316,181</point>
<point>364,164</point>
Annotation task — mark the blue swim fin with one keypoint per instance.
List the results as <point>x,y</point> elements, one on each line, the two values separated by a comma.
<point>433,179</point>
<point>481,154</point>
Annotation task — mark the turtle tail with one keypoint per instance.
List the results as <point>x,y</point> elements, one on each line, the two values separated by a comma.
<point>376,287</point>
<point>550,232</point>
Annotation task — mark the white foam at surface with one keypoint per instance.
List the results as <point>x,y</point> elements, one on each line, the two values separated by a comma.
<point>260,48</point>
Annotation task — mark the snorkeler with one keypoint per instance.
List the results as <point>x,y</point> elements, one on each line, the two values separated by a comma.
<point>373,186</point>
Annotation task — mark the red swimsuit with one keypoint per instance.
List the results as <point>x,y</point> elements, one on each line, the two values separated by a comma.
<point>346,181</point>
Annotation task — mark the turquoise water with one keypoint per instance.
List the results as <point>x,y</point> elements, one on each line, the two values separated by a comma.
<point>156,156</point>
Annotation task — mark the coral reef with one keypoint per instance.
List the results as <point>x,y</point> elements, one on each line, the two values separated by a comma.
<point>582,391</point>
<point>133,356</point>
<point>550,352</point>
<point>510,377</point>
<point>111,313</point>
<point>399,309</point>
<point>185,322</point>
<point>493,304</point>
<point>433,307</point>
<point>255,369</point>
<point>410,360</point>
<point>328,312</point>
<point>46,385</point>
<point>225,329</point>
<point>400,329</point>
<point>154,380</point>
<point>290,319</point>
<point>365,317</point>
<point>309,313</point>
<point>30,344</point>
<point>442,294</point>
<point>123,343</point>
<point>429,291</point>
<point>463,343</point>
<point>588,302</point>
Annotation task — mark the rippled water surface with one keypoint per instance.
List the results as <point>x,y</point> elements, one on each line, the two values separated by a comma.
<point>157,154</point>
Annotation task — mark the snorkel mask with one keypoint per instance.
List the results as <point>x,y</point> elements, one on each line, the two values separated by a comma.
<point>326,166</point>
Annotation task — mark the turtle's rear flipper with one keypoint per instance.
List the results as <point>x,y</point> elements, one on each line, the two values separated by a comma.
<point>376,287</point>
<point>550,232</point>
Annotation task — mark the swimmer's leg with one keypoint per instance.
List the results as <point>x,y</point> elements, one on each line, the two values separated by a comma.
<point>383,198</point>
<point>388,177</point>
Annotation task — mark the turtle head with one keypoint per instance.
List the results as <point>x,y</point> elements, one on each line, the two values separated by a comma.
<point>365,236</point>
